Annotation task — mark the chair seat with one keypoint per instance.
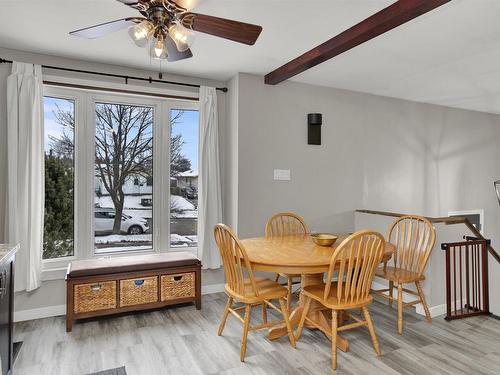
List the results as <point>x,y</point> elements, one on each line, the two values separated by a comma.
<point>399,275</point>
<point>267,289</point>
<point>332,302</point>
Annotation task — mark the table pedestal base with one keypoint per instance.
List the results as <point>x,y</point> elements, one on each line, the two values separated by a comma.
<point>317,313</point>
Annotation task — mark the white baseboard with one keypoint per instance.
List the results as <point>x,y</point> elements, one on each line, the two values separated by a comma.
<point>434,310</point>
<point>50,311</point>
<point>42,312</point>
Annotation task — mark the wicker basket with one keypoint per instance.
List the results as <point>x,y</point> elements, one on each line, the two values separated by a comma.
<point>138,291</point>
<point>95,296</point>
<point>181,285</point>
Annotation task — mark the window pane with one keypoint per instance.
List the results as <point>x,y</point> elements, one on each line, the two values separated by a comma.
<point>123,213</point>
<point>184,178</point>
<point>59,125</point>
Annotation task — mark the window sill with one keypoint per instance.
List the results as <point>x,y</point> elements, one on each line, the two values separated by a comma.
<point>54,274</point>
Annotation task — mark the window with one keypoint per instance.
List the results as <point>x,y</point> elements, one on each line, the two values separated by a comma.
<point>184,172</point>
<point>123,156</point>
<point>59,150</point>
<point>118,181</point>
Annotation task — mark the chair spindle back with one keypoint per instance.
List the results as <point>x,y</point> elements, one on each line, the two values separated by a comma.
<point>286,224</point>
<point>414,238</point>
<point>234,259</point>
<point>356,260</point>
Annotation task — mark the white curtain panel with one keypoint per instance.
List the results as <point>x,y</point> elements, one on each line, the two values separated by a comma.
<point>25,192</point>
<point>210,192</point>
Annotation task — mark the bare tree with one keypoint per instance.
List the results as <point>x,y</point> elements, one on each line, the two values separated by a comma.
<point>123,148</point>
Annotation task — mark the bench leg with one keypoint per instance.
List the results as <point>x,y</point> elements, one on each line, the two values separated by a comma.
<point>198,303</point>
<point>69,307</point>
<point>198,289</point>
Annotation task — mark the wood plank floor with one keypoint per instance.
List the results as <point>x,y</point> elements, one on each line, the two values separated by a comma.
<point>183,340</point>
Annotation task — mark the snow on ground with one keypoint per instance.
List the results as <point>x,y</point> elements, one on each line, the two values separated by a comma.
<point>176,240</point>
<point>181,209</point>
<point>180,203</point>
<point>188,214</point>
<point>134,202</point>
<point>131,201</point>
<point>114,238</point>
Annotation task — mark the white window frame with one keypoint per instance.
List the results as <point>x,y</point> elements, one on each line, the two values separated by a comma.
<point>84,162</point>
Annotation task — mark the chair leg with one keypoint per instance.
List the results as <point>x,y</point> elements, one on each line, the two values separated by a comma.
<point>264,312</point>
<point>334,339</point>
<point>424,303</point>
<point>400,308</point>
<point>246,326</point>
<point>289,293</point>
<point>284,311</point>
<point>303,318</point>
<point>391,288</point>
<point>224,315</point>
<point>371,328</point>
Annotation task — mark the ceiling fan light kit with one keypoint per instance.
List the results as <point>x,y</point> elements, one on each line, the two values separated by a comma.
<point>182,36</point>
<point>141,32</point>
<point>158,47</point>
<point>168,28</point>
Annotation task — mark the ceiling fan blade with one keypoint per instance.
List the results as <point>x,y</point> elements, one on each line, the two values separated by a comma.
<point>106,28</point>
<point>140,5</point>
<point>173,53</point>
<point>129,2</point>
<point>228,29</point>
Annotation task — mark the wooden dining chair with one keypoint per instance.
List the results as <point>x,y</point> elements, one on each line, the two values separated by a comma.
<point>287,224</point>
<point>250,291</point>
<point>355,261</point>
<point>414,238</point>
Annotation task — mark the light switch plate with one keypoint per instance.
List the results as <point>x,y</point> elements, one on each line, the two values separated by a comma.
<point>282,175</point>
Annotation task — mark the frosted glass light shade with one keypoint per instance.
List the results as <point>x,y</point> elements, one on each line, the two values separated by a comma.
<point>140,33</point>
<point>158,48</point>
<point>182,36</point>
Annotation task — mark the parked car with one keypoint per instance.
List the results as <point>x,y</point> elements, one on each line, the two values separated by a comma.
<point>190,192</point>
<point>105,218</point>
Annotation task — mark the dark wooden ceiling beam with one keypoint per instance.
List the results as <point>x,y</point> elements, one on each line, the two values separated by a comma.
<point>387,19</point>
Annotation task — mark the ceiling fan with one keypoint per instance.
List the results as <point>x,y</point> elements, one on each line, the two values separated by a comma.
<point>168,28</point>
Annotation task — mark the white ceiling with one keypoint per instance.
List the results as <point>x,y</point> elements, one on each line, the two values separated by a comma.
<point>450,56</point>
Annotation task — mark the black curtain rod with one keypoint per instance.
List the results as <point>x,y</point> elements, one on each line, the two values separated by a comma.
<point>126,78</point>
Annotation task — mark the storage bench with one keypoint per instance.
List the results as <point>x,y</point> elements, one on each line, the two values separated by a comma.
<point>100,287</point>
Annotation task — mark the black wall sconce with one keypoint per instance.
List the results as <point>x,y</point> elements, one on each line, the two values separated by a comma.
<point>497,189</point>
<point>314,121</point>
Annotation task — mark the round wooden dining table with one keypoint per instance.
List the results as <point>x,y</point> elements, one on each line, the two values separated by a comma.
<point>299,255</point>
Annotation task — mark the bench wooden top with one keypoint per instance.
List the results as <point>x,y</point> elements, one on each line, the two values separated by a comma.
<point>102,266</point>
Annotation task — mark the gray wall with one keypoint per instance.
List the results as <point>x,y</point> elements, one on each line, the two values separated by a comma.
<point>377,153</point>
<point>4,72</point>
<point>230,156</point>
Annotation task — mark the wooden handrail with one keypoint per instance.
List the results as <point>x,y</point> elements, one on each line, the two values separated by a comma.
<point>448,220</point>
